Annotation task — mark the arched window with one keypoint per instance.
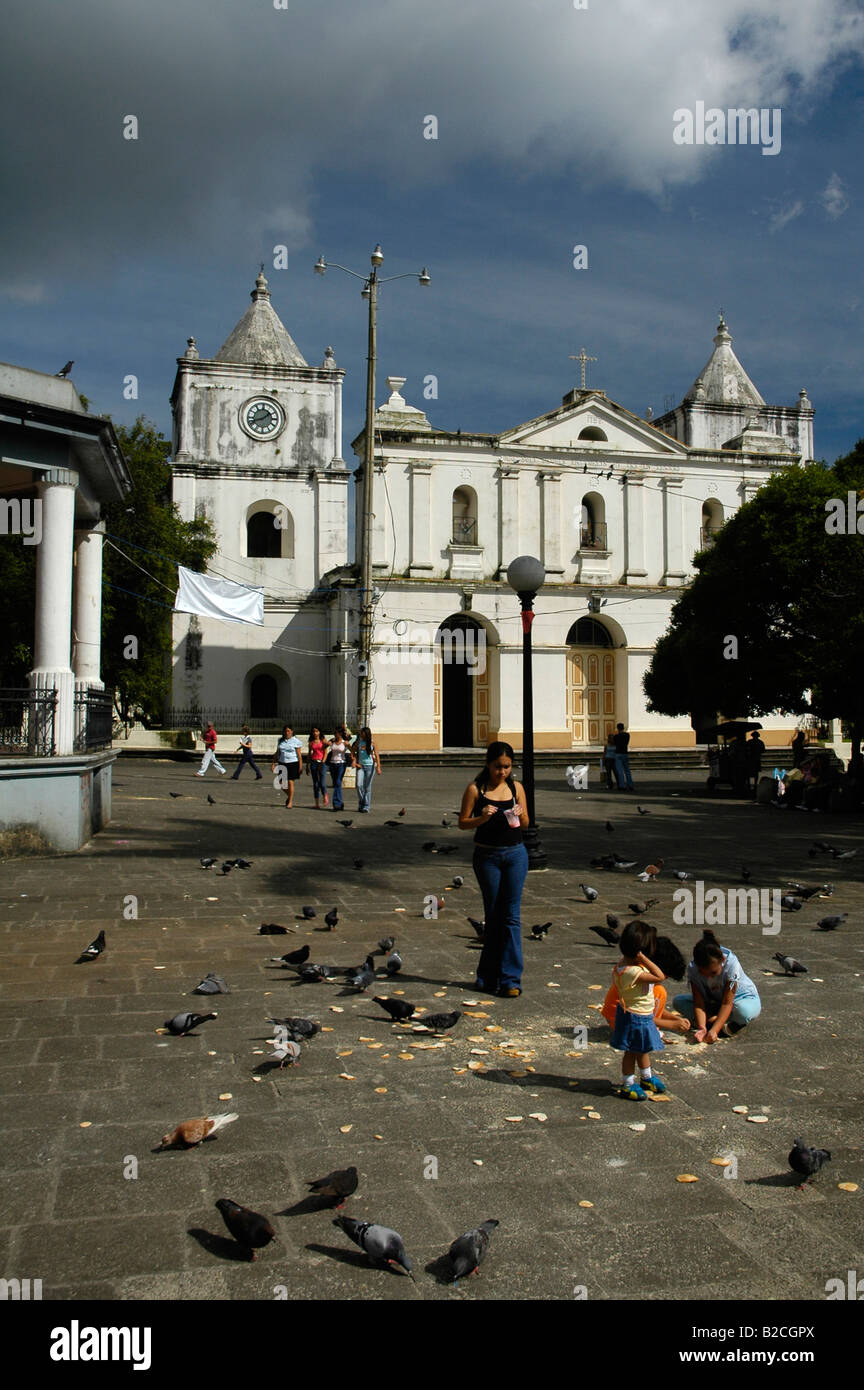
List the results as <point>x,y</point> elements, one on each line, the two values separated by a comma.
<point>712,520</point>
<point>587,632</point>
<point>592,524</point>
<point>464,516</point>
<point>269,532</point>
<point>593,433</point>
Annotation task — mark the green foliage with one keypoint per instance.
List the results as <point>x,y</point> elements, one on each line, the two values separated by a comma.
<point>791,594</point>
<point>145,518</point>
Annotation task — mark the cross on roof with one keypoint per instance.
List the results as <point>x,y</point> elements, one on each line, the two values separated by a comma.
<point>582,357</point>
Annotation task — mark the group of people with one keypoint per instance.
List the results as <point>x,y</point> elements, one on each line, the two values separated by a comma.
<point>720,1000</point>
<point>322,755</point>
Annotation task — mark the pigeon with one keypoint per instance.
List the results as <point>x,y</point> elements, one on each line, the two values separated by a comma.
<point>242,863</point>
<point>607,934</point>
<point>386,944</point>
<point>210,800</point>
<point>613,921</point>
<point>191,1132</point>
<point>298,1029</point>
<point>175,796</point>
<point>284,1050</point>
<point>652,870</point>
<point>398,1009</point>
<point>467,1253</point>
<point>394,824</point>
<point>207,863</point>
<point>298,957</point>
<point>746,875</point>
<point>639,908</point>
<point>181,1024</point>
<point>341,1183</point>
<point>382,1245</point>
<point>402,812</point>
<point>332,918</point>
<point>790,904</point>
<point>790,965</point>
<point>457,881</point>
<point>447,849</point>
<point>393,963</point>
<point>249,1228</point>
<point>446,824</point>
<point>309,913</point>
<point>363,977</point>
<point>430,847</point>
<point>96,947</point>
<point>212,984</point>
<point>539,932</point>
<point>440,1023</point>
<point>642,811</point>
<point>359,863</point>
<point>620,866</point>
<point>832,923</point>
<point>347,823</point>
<point>479,928</point>
<point>609,827</point>
<point>64,371</point>
<point>591,894</point>
<point>842,854</point>
<point>272,929</point>
<point>806,1161</point>
<point>227,866</point>
<point>311,974</point>
<point>681,875</point>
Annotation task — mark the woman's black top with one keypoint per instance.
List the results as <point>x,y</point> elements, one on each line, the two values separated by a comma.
<point>495,832</point>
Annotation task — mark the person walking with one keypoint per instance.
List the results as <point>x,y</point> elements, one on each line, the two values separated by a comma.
<point>288,756</point>
<point>494,807</point>
<point>210,740</point>
<point>367,763</point>
<point>338,754</point>
<point>621,740</point>
<point>316,754</point>
<point>246,755</point>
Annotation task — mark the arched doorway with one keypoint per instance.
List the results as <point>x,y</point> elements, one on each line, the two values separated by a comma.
<point>460,658</point>
<point>263,697</point>
<point>590,682</point>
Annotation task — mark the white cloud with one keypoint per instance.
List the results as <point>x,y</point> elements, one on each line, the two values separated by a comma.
<point>786,214</point>
<point>24,292</point>
<point>833,196</point>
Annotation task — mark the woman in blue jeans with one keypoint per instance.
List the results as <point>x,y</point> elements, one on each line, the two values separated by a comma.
<point>493,806</point>
<point>367,763</point>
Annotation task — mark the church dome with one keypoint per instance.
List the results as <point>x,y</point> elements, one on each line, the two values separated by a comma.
<point>260,337</point>
<point>723,381</point>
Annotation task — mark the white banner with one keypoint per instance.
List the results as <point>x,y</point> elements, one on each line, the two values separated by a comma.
<point>218,598</point>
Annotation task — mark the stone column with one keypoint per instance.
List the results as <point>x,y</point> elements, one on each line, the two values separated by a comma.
<point>508,512</point>
<point>87,608</point>
<point>421,518</point>
<point>52,668</point>
<point>673,527</point>
<point>381,528</point>
<point>550,484</point>
<point>635,523</point>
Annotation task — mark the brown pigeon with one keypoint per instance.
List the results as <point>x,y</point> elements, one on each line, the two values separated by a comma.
<point>191,1132</point>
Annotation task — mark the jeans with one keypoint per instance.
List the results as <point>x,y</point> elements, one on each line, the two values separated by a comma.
<point>745,1007</point>
<point>245,758</point>
<point>622,771</point>
<point>319,787</point>
<point>501,875</point>
<point>364,786</point>
<point>209,757</point>
<point>608,768</point>
<point>337,772</point>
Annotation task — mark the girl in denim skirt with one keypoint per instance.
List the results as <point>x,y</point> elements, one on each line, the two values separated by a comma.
<point>635,1032</point>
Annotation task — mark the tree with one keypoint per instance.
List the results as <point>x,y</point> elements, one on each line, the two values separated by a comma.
<point>791,594</point>
<point>138,591</point>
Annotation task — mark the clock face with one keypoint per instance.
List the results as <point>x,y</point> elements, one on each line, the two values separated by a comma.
<point>262,419</point>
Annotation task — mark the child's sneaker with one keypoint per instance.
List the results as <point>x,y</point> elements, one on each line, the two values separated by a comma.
<point>633,1092</point>
<point>653,1083</point>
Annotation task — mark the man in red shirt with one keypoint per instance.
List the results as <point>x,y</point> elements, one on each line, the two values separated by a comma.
<point>210,737</point>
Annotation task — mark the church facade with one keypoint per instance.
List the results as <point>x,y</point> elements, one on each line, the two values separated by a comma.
<point>614,506</point>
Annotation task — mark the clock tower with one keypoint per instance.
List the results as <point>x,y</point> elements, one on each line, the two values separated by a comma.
<point>258,451</point>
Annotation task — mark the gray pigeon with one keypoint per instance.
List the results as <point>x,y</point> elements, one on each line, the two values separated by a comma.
<point>832,923</point>
<point>212,984</point>
<point>790,904</point>
<point>386,944</point>
<point>340,1184</point>
<point>790,965</point>
<point>806,1161</point>
<point>309,913</point>
<point>362,978</point>
<point>298,1029</point>
<point>284,1050</point>
<point>382,1245</point>
<point>393,963</point>
<point>181,1024</point>
<point>591,894</point>
<point>310,974</point>
<point>469,1250</point>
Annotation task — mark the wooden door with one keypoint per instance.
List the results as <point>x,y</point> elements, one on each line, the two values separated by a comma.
<point>590,695</point>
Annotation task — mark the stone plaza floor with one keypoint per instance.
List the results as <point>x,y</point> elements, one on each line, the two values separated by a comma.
<point>501,1118</point>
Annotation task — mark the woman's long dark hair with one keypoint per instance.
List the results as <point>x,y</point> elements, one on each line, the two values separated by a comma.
<point>670,960</point>
<point>708,950</point>
<point>493,753</point>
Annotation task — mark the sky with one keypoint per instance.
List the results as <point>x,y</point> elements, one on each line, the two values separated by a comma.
<point>305,126</point>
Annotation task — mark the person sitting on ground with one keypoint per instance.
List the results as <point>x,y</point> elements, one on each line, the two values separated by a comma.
<point>722,999</point>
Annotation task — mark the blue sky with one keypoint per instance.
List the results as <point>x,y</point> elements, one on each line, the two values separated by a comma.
<point>304,126</point>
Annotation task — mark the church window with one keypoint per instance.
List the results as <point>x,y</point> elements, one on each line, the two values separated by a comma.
<point>464,516</point>
<point>593,433</point>
<point>592,527</point>
<point>712,520</point>
<point>270,533</point>
<point>587,632</point>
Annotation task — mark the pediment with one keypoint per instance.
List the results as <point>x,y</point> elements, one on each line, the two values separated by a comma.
<point>561,428</point>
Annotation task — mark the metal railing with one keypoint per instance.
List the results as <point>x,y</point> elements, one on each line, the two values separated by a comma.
<point>593,536</point>
<point>464,530</point>
<point>94,720</point>
<point>228,719</point>
<point>27,722</point>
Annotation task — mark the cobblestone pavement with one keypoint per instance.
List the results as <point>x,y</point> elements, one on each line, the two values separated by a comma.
<point>504,1117</point>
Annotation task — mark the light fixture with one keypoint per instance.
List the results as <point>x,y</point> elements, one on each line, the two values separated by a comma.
<point>320,265</point>
<point>377,255</point>
<point>424,277</point>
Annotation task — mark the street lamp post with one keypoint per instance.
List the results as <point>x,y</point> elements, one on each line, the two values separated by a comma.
<point>370,294</point>
<point>526,575</point>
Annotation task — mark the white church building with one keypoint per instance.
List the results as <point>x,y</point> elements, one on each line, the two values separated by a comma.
<point>614,506</point>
